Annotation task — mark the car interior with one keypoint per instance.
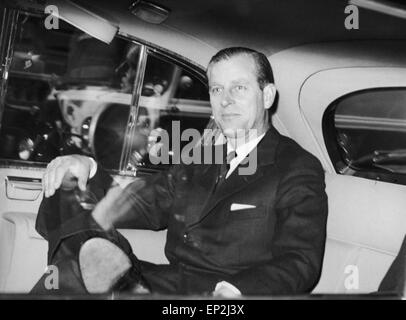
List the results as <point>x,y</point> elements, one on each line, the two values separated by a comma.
<point>101,92</point>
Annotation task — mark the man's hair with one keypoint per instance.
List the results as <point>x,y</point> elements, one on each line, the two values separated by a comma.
<point>264,69</point>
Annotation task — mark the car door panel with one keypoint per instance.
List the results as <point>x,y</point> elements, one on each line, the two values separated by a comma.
<point>20,189</point>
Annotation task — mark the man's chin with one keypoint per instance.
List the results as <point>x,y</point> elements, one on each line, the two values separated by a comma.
<point>234,133</point>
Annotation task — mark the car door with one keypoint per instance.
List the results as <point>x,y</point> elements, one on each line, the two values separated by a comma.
<point>66,92</point>
<point>54,83</point>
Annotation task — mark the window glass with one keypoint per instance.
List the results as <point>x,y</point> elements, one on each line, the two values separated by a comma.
<point>173,99</point>
<point>368,136</point>
<point>59,80</point>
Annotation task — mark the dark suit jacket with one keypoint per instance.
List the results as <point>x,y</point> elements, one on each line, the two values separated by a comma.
<point>394,281</point>
<point>275,248</point>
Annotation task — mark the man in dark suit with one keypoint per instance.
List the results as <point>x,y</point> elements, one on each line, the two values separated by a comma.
<point>229,233</point>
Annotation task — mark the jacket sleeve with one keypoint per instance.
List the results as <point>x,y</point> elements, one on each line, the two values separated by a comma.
<point>143,204</point>
<point>299,239</point>
<point>62,216</point>
<point>63,206</point>
<point>146,203</point>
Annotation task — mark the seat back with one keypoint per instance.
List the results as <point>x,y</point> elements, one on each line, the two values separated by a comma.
<point>365,228</point>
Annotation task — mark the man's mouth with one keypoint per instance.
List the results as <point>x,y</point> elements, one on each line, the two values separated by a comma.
<point>229,115</point>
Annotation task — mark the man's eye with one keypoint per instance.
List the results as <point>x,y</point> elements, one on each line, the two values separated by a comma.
<point>240,88</point>
<point>215,90</point>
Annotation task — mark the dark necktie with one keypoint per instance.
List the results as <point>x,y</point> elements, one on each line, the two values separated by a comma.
<point>224,169</point>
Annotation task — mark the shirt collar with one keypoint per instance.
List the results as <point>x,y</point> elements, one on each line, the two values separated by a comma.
<point>243,150</point>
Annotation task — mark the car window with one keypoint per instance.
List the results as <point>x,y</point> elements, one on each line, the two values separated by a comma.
<point>173,99</point>
<point>366,134</point>
<point>59,80</point>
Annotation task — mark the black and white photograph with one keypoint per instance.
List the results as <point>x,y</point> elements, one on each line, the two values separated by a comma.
<point>216,151</point>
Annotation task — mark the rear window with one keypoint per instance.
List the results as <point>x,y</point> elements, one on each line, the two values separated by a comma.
<point>365,134</point>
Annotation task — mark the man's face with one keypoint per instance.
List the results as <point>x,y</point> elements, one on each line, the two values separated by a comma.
<point>236,98</point>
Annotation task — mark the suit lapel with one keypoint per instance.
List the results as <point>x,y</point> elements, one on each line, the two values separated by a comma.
<point>205,179</point>
<point>233,184</point>
<point>266,150</point>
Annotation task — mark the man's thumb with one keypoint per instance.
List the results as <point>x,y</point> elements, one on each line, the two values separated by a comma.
<point>82,183</point>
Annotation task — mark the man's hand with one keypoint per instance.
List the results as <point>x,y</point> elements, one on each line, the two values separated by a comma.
<point>72,166</point>
<point>108,208</point>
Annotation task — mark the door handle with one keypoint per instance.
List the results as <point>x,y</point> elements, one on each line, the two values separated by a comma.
<point>23,183</point>
<point>23,188</point>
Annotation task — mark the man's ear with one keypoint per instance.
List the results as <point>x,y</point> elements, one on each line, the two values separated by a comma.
<point>269,94</point>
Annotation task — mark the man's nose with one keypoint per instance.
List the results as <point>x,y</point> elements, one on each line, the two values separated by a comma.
<point>226,99</point>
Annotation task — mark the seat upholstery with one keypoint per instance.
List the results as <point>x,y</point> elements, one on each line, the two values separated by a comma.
<point>365,229</point>
<point>366,226</point>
